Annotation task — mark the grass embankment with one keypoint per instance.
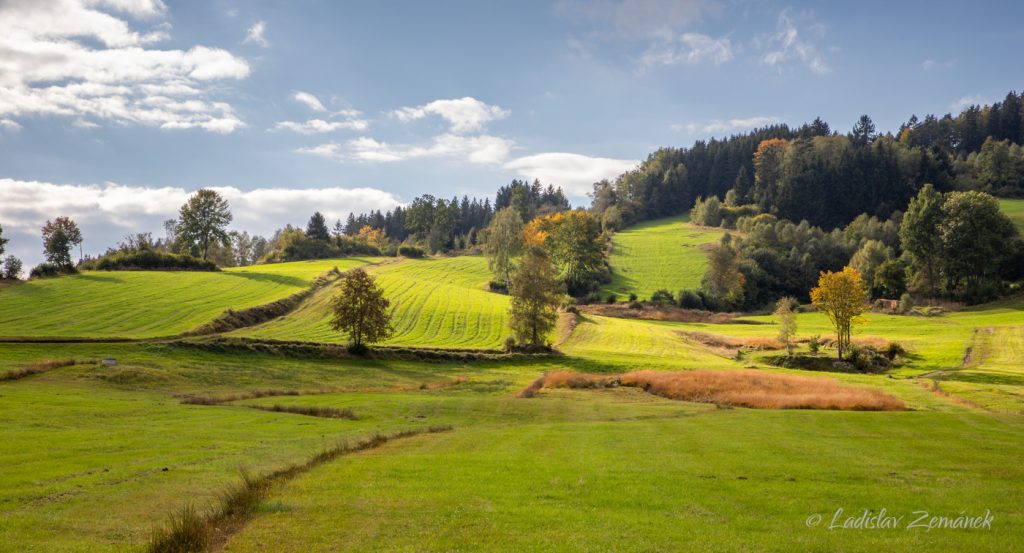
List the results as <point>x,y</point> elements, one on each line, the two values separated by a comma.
<point>435,303</point>
<point>666,253</point>
<point>146,304</point>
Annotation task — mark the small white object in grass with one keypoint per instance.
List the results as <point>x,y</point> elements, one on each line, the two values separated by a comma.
<point>109,361</point>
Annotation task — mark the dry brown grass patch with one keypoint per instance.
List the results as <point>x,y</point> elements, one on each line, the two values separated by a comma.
<point>729,342</point>
<point>309,411</point>
<point>740,388</point>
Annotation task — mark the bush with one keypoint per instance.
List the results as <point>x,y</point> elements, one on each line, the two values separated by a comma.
<point>612,298</point>
<point>509,345</point>
<point>498,286</point>
<point>410,251</point>
<point>906,303</point>
<point>149,260</point>
<point>814,345</point>
<point>632,297</point>
<point>47,270</point>
<point>894,350</point>
<point>662,296</point>
<point>636,305</point>
<point>689,299</point>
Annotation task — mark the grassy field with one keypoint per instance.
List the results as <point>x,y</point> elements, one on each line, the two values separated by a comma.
<point>550,473</point>
<point>435,303</point>
<point>95,457</point>
<point>1015,210</point>
<point>667,253</point>
<point>146,304</point>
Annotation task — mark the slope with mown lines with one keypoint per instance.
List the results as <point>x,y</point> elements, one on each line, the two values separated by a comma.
<point>666,253</point>
<point>1014,209</point>
<point>435,303</point>
<point>146,304</point>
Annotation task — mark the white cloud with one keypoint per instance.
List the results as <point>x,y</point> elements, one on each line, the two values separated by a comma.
<point>50,65</point>
<point>107,212</point>
<point>688,48</point>
<point>789,45</point>
<point>255,34</point>
<point>480,149</point>
<point>319,126</point>
<point>463,114</point>
<point>717,126</point>
<point>965,102</point>
<point>312,102</point>
<point>9,124</point>
<point>575,173</point>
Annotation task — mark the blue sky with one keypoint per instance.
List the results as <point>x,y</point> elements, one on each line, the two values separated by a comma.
<point>112,111</point>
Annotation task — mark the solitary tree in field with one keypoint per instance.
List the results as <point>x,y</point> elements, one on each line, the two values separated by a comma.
<point>504,241</point>
<point>785,310</point>
<point>361,310</point>
<point>842,297</point>
<point>535,295</point>
<point>203,221</point>
<point>59,235</point>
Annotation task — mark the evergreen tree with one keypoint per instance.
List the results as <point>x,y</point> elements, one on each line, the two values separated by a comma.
<point>316,229</point>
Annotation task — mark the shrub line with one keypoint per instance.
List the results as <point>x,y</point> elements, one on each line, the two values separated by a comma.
<point>189,531</point>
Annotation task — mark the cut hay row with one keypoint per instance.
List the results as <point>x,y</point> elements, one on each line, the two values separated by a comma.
<point>739,388</point>
<point>189,531</point>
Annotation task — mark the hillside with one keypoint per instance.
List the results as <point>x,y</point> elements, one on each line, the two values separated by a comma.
<point>662,254</point>
<point>435,303</point>
<point>146,304</point>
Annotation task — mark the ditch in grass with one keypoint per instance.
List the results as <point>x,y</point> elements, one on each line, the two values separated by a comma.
<point>190,531</point>
<point>737,388</point>
<point>40,367</point>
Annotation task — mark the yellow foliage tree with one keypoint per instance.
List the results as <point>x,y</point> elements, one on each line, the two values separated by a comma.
<point>374,237</point>
<point>843,298</point>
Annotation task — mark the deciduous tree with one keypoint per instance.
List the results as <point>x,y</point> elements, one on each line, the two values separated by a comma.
<point>843,299</point>
<point>785,310</point>
<point>361,310</point>
<point>204,220</point>
<point>504,242</point>
<point>59,236</point>
<point>535,296</point>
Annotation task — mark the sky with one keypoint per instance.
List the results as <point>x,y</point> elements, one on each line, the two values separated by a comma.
<point>114,111</point>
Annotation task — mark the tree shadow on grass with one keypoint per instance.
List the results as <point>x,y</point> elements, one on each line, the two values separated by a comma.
<point>287,280</point>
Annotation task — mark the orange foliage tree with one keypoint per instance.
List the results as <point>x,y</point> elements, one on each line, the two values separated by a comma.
<point>843,298</point>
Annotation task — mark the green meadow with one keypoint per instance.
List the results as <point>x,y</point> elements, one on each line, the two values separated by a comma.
<point>663,254</point>
<point>1014,209</point>
<point>97,457</point>
<point>147,304</point>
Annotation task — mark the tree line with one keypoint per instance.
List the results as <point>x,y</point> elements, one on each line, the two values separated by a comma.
<point>797,173</point>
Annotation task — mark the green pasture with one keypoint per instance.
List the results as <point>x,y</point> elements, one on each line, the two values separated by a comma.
<point>666,253</point>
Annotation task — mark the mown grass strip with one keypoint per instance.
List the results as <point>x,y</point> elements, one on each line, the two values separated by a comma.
<point>190,531</point>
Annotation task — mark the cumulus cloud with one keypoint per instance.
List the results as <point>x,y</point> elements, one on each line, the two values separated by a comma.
<point>479,149</point>
<point>107,212</point>
<point>463,114</point>
<point>718,126</point>
<point>68,58</point>
<point>575,173</point>
<point>793,41</point>
<point>688,48</point>
<point>255,34</point>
